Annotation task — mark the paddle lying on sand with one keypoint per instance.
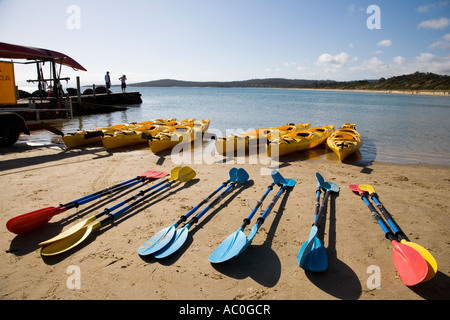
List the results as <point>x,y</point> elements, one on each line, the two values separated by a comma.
<point>163,237</point>
<point>30,221</point>
<point>181,234</point>
<point>312,255</point>
<point>88,221</point>
<point>237,242</point>
<point>398,232</point>
<point>411,266</point>
<point>75,238</point>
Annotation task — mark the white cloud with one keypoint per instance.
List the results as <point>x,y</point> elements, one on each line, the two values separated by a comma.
<point>425,62</point>
<point>432,6</point>
<point>399,60</point>
<point>338,61</point>
<point>379,52</point>
<point>444,43</point>
<point>384,43</point>
<point>435,24</point>
<point>374,65</point>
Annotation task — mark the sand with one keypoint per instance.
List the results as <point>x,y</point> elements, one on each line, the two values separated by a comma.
<point>107,266</point>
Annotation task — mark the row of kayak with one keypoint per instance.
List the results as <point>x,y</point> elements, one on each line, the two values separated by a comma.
<point>164,134</point>
<point>291,138</point>
<point>160,134</point>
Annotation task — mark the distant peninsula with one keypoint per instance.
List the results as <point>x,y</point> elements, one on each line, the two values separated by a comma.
<point>417,81</point>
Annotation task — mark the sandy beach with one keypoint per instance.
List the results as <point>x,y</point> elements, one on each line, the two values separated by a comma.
<point>34,177</point>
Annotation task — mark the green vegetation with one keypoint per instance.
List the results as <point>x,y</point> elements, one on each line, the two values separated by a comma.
<point>418,81</point>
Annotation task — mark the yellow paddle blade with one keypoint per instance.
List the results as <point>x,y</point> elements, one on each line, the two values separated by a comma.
<point>69,231</point>
<point>174,173</point>
<point>69,242</point>
<point>367,187</point>
<point>185,174</point>
<point>432,264</point>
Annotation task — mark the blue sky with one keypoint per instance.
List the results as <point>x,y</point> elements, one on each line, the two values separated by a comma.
<point>223,40</point>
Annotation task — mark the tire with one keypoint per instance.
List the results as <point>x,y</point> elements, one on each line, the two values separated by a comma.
<point>9,134</point>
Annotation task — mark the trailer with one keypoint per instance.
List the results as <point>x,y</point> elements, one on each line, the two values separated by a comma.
<point>17,118</point>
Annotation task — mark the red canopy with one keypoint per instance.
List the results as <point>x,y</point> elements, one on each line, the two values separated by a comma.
<point>13,51</point>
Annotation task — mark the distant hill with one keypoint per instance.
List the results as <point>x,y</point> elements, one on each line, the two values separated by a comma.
<point>418,81</point>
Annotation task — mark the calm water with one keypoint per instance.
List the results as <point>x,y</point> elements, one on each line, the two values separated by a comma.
<point>395,128</point>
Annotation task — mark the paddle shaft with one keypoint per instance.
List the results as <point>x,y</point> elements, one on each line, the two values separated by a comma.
<point>261,219</point>
<point>109,190</point>
<point>112,216</point>
<point>387,232</point>
<point>187,215</point>
<point>398,232</point>
<point>258,205</point>
<point>317,204</point>
<point>120,204</point>
<point>321,208</point>
<point>212,204</point>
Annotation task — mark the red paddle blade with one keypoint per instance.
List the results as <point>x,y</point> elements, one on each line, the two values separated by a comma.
<point>30,221</point>
<point>152,174</point>
<point>410,264</point>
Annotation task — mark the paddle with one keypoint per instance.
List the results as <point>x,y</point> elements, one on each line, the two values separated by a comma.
<point>285,184</point>
<point>411,266</point>
<point>312,255</point>
<point>398,232</point>
<point>183,175</point>
<point>231,246</point>
<point>180,236</point>
<point>86,222</point>
<point>163,237</point>
<point>30,221</point>
<point>237,242</point>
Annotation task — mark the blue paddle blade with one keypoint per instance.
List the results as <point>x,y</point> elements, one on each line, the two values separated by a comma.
<point>233,174</point>
<point>316,258</point>
<point>157,242</point>
<point>320,179</point>
<point>242,176</point>
<point>333,187</point>
<point>229,248</point>
<point>306,247</point>
<point>177,241</point>
<point>278,178</point>
<point>290,183</point>
<point>250,236</point>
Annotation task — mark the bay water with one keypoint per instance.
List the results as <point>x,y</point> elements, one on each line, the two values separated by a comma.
<point>395,128</point>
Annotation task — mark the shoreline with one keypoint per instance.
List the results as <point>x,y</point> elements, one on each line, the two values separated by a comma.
<point>402,92</point>
<point>41,176</point>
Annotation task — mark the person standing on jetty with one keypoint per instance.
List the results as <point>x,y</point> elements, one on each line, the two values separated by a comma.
<point>123,79</point>
<point>107,81</point>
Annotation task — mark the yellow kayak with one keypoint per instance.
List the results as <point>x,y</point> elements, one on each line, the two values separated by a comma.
<point>123,138</point>
<point>94,136</point>
<point>246,140</point>
<point>299,140</point>
<point>185,133</point>
<point>90,137</point>
<point>345,141</point>
<point>167,139</point>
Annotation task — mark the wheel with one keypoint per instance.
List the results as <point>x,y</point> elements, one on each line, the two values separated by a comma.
<point>9,134</point>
